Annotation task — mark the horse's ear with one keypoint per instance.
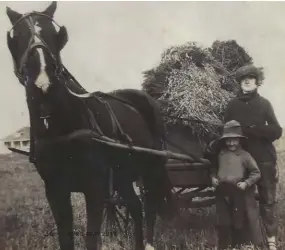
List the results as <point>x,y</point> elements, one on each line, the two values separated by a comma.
<point>14,16</point>
<point>62,38</point>
<point>50,10</point>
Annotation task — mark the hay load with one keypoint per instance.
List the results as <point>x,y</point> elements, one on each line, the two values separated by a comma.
<point>194,84</point>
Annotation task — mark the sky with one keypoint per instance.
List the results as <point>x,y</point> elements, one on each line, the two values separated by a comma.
<point>112,43</point>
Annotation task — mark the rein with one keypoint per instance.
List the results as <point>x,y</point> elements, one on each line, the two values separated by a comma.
<point>60,69</point>
<point>195,120</point>
<point>102,94</point>
<point>63,76</point>
<point>86,134</point>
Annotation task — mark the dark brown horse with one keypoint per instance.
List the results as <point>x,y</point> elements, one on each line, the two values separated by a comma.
<point>57,109</point>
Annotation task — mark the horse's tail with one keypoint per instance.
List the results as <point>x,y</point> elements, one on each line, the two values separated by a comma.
<point>161,187</point>
<point>149,110</point>
<point>165,198</point>
<point>156,177</point>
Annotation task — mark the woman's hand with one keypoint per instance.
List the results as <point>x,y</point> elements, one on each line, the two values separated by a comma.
<point>215,182</point>
<point>242,185</point>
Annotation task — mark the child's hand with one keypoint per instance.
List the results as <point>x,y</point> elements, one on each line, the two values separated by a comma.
<point>215,182</point>
<point>242,185</point>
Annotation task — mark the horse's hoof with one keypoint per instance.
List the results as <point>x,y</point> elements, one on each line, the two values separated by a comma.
<point>149,247</point>
<point>271,241</point>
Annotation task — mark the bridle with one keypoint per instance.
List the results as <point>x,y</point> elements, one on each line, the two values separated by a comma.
<point>20,70</point>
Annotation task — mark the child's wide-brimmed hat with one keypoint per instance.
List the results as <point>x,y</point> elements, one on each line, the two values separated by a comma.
<point>232,129</point>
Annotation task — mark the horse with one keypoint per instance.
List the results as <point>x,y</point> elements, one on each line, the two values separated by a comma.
<point>60,108</point>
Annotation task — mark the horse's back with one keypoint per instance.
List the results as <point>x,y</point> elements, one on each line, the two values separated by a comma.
<point>178,138</point>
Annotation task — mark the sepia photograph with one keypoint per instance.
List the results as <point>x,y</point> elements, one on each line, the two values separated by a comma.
<point>142,125</point>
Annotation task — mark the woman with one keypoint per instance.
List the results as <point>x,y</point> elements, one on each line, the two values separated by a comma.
<point>260,126</point>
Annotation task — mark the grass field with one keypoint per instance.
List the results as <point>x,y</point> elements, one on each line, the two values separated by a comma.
<point>26,222</point>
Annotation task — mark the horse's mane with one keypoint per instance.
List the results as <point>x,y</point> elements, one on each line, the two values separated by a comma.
<point>74,85</point>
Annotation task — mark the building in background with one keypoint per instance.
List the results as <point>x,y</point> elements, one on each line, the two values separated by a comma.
<point>20,139</point>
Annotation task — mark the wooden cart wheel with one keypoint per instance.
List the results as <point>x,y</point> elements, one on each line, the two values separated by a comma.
<point>117,225</point>
<point>116,219</point>
<point>116,216</point>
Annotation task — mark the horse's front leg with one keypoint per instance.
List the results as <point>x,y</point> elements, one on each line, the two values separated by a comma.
<point>61,207</point>
<point>94,210</point>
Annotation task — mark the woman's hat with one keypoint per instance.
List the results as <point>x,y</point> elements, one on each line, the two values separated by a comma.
<point>232,129</point>
<point>249,70</point>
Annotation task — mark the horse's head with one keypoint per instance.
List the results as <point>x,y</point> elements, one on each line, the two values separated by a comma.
<point>35,46</point>
<point>35,42</point>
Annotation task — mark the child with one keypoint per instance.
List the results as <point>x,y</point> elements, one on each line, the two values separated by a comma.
<point>234,177</point>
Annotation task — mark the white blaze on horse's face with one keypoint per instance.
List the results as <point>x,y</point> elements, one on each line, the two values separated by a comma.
<point>42,81</point>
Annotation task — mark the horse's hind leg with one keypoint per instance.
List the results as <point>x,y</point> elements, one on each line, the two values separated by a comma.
<point>60,204</point>
<point>126,190</point>
<point>94,210</point>
<point>158,200</point>
<point>150,215</point>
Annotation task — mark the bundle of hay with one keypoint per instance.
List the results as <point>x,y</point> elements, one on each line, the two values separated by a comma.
<point>231,56</point>
<point>194,84</point>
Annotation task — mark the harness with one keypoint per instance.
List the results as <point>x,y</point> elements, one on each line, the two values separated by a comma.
<point>116,127</point>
